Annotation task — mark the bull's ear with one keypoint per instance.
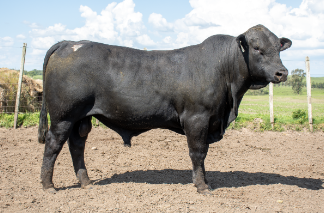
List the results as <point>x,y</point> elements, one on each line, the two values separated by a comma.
<point>241,41</point>
<point>285,43</point>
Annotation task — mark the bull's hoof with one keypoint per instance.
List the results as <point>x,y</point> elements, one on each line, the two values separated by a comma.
<point>83,177</point>
<point>87,186</point>
<point>205,190</point>
<point>50,190</point>
<point>127,145</point>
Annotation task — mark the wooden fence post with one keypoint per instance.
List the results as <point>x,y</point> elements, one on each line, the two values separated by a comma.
<point>22,63</point>
<point>271,104</point>
<point>2,99</point>
<point>309,89</point>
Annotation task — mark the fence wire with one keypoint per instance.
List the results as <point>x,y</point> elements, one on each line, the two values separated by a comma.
<point>31,92</point>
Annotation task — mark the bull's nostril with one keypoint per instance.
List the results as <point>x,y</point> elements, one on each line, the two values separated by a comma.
<point>278,74</point>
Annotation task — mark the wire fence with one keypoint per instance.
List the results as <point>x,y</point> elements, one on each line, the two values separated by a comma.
<point>31,92</point>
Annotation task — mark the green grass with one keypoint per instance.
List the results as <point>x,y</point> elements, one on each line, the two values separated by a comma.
<point>25,119</point>
<point>285,103</point>
<point>317,79</point>
<point>38,77</point>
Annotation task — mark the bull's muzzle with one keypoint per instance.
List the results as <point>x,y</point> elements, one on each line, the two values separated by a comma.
<point>281,75</point>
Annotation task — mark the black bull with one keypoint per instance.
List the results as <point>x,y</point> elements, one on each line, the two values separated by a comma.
<point>194,91</point>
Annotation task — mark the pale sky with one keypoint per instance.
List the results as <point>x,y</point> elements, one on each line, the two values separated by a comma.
<point>158,25</point>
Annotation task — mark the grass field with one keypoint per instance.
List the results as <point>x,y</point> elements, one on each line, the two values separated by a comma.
<point>285,103</point>
<point>38,77</point>
<point>317,79</point>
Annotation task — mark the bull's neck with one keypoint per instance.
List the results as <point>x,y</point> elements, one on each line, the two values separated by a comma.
<point>233,66</point>
<point>242,74</point>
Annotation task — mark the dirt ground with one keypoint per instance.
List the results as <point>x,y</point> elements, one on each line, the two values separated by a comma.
<point>248,172</point>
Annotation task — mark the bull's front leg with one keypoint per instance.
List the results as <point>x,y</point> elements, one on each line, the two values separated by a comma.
<point>196,129</point>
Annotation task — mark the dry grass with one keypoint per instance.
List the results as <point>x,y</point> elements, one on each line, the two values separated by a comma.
<point>31,92</point>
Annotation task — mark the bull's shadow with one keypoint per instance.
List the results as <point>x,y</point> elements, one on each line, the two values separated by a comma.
<point>216,179</point>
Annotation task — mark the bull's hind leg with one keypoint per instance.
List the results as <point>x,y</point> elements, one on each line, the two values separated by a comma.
<point>76,143</point>
<point>196,131</point>
<point>54,141</point>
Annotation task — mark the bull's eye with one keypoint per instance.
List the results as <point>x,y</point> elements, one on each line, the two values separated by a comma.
<point>258,50</point>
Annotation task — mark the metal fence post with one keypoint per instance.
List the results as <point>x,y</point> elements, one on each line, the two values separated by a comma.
<point>309,88</point>
<point>19,84</point>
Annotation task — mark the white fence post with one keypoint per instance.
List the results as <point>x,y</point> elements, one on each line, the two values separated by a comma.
<point>271,104</point>
<point>309,89</point>
<point>22,63</point>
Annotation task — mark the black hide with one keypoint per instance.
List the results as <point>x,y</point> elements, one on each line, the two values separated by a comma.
<point>194,91</point>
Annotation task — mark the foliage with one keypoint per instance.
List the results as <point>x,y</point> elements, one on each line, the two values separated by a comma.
<point>33,73</point>
<point>38,77</point>
<point>25,119</point>
<point>297,78</point>
<point>318,85</point>
<point>299,115</point>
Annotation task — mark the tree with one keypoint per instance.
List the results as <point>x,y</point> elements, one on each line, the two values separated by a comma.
<point>297,77</point>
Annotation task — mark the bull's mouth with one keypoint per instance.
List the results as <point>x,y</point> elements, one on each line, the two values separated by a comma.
<point>258,85</point>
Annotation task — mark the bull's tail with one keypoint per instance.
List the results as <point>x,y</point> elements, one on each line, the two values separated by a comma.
<point>43,122</point>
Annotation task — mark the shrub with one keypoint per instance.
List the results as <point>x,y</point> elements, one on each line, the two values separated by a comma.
<point>300,115</point>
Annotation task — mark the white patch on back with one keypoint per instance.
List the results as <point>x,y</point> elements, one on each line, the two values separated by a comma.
<point>76,47</point>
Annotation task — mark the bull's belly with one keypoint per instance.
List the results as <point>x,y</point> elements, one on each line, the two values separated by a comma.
<point>130,122</point>
<point>128,127</point>
<point>137,118</point>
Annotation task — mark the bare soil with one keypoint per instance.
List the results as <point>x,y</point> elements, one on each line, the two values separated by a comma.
<point>248,172</point>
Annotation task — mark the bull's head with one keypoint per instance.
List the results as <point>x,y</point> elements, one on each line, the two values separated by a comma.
<point>261,50</point>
